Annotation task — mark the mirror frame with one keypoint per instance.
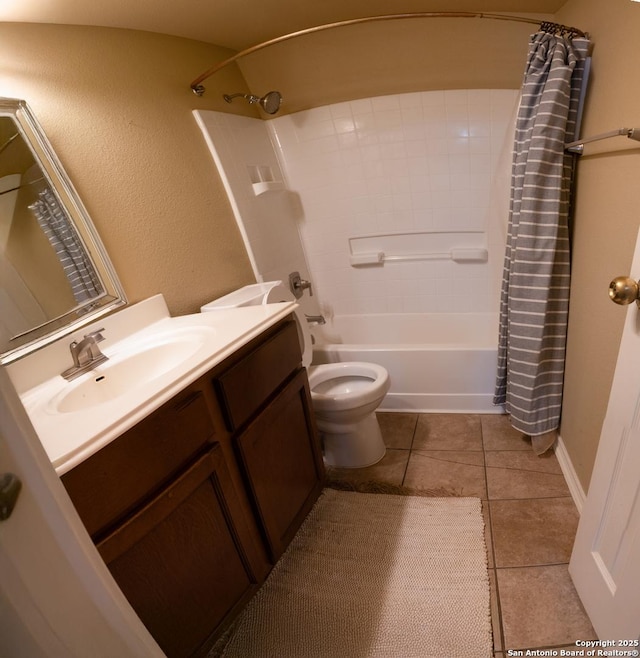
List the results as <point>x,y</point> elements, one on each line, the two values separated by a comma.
<point>113,295</point>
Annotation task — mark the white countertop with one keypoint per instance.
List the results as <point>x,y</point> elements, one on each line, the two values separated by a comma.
<point>70,437</point>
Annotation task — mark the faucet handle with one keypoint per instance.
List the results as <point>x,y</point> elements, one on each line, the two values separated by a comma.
<point>298,285</point>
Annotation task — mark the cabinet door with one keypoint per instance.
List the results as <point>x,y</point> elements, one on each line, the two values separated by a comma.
<point>281,457</point>
<point>184,560</point>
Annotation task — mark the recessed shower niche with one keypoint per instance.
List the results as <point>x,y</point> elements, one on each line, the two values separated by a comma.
<point>263,179</point>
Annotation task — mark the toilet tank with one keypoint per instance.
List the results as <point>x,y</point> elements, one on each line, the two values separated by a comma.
<point>265,293</point>
<point>251,295</point>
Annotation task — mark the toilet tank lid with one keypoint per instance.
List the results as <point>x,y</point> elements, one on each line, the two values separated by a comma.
<point>251,295</point>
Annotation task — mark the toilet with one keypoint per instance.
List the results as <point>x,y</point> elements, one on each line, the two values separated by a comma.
<point>344,396</point>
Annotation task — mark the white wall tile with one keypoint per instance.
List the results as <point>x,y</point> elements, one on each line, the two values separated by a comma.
<point>419,161</point>
<point>426,161</point>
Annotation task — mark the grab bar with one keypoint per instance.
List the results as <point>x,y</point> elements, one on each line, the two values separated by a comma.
<point>459,255</point>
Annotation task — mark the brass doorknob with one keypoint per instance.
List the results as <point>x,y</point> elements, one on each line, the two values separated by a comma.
<point>624,290</point>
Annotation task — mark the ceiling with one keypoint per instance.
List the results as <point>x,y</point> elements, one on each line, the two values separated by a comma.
<point>239,24</point>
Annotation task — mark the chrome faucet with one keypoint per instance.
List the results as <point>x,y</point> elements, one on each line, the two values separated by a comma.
<point>86,355</point>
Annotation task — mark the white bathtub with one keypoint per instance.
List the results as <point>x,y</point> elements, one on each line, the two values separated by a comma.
<point>438,362</point>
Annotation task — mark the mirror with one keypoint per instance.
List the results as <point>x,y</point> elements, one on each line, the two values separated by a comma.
<point>55,275</point>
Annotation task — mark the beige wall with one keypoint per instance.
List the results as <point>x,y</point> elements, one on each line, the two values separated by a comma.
<point>116,106</point>
<point>391,57</point>
<point>606,220</point>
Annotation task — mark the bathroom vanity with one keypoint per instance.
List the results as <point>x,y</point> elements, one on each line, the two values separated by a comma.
<point>193,502</point>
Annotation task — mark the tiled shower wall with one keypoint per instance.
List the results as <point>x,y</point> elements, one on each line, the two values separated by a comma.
<point>418,163</point>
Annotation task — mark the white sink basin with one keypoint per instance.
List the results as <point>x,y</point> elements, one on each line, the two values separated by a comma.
<point>129,369</point>
<point>151,358</point>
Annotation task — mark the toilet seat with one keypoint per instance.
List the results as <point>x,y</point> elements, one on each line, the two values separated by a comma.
<point>348,390</point>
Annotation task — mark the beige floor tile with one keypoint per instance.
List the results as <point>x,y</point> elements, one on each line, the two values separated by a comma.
<point>390,470</point>
<point>497,434</point>
<point>523,474</point>
<point>540,608</point>
<point>456,473</point>
<point>448,432</point>
<point>533,532</point>
<point>397,428</point>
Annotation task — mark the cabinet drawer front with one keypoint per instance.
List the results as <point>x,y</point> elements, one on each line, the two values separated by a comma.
<point>109,484</point>
<point>246,385</point>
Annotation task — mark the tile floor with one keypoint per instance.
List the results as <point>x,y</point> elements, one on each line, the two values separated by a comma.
<point>530,516</point>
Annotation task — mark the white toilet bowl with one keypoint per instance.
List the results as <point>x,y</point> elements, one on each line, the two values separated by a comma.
<point>344,396</point>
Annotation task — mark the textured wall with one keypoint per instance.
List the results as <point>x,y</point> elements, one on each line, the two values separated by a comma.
<point>606,221</point>
<point>373,59</point>
<point>116,106</point>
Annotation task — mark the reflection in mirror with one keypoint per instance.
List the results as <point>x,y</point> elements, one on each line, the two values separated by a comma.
<point>55,275</point>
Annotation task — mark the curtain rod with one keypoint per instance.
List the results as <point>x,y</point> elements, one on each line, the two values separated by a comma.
<point>546,26</point>
<point>578,146</point>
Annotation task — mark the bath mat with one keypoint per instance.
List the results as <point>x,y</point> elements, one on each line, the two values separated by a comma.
<point>374,576</point>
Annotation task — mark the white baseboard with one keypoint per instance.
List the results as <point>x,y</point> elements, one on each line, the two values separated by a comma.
<point>575,488</point>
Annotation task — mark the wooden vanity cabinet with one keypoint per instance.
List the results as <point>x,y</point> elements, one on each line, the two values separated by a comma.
<point>192,507</point>
<point>283,463</point>
<point>180,560</point>
<point>266,401</point>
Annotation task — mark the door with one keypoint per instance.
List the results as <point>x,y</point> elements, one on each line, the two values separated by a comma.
<point>605,564</point>
<point>56,595</point>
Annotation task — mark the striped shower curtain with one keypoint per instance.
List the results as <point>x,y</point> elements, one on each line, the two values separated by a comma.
<point>535,289</point>
<point>71,253</point>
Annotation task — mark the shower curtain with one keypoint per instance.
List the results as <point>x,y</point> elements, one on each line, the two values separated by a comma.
<point>67,245</point>
<point>535,288</point>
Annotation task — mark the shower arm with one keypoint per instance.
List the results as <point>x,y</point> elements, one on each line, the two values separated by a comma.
<point>250,97</point>
<point>198,88</point>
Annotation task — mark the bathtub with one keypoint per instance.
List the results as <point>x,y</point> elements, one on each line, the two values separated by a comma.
<point>438,362</point>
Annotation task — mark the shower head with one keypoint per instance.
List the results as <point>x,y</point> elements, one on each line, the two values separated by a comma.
<point>270,102</point>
